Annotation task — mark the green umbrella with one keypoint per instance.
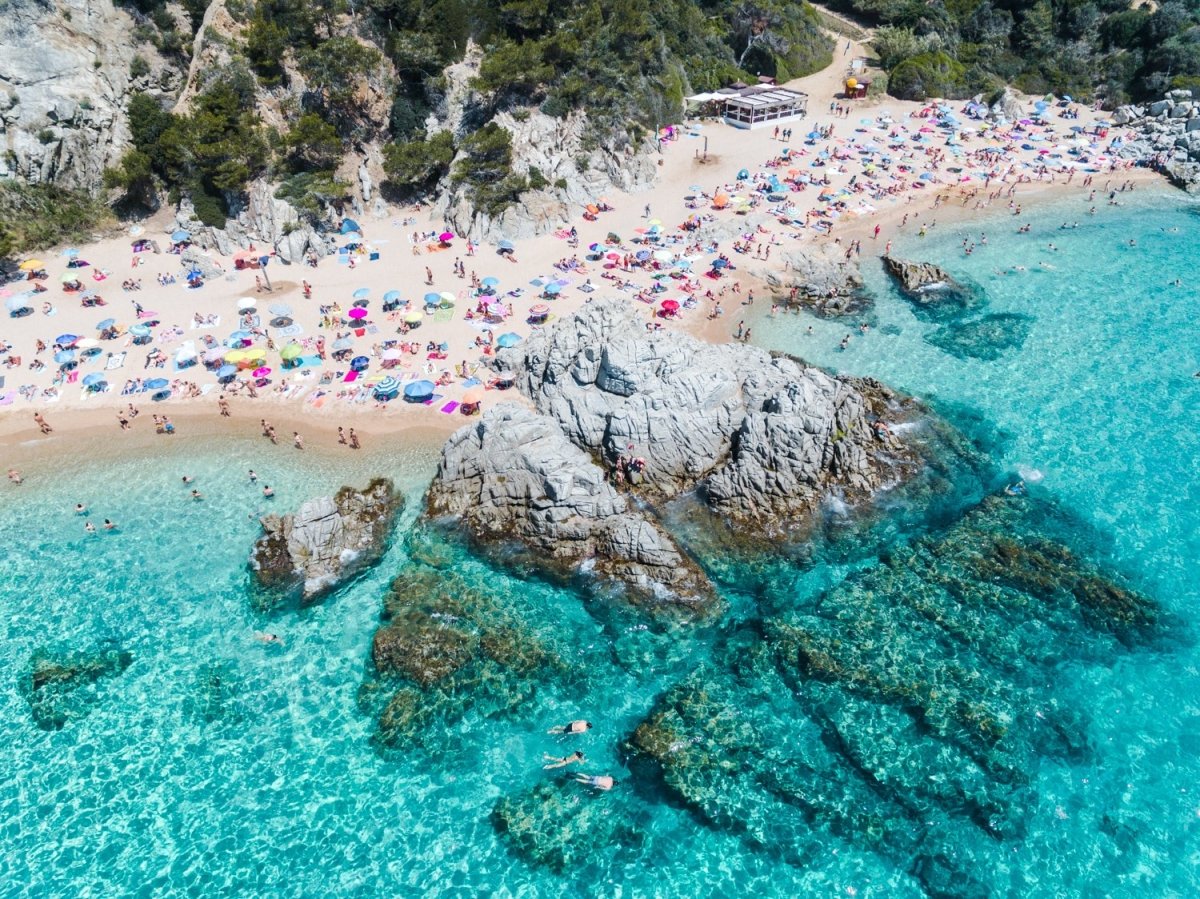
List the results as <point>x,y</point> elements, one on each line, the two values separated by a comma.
<point>291,351</point>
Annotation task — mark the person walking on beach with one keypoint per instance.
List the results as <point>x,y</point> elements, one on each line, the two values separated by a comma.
<point>297,440</point>
<point>342,436</point>
<point>354,444</point>
<point>41,423</point>
<point>223,405</point>
<point>428,275</point>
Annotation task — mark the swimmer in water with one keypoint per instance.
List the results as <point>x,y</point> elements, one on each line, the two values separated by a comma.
<point>264,637</point>
<point>1017,489</point>
<point>253,476</point>
<point>187,479</point>
<point>572,727</point>
<point>267,491</point>
<point>196,494</point>
<point>109,526</point>
<point>553,761</point>
<point>89,527</point>
<point>80,509</point>
<point>15,476</point>
<point>596,781</point>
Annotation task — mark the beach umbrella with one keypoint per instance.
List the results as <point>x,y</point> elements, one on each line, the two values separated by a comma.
<point>446,237</point>
<point>107,323</point>
<point>663,255</point>
<point>64,356</point>
<point>179,235</point>
<point>641,255</point>
<point>391,296</point>
<point>66,339</point>
<point>216,354</point>
<point>362,293</point>
<point>236,356</point>
<point>357,313</point>
<point>432,298</point>
<point>505,245</point>
<point>185,355</point>
<point>94,379</point>
<point>654,222</point>
<point>495,282</point>
<point>254,352</point>
<point>392,354</point>
<point>613,257</point>
<point>719,264</point>
<point>419,390</point>
<point>342,343</point>
<point>70,252</point>
<point>155,384</point>
<point>246,303</point>
<point>473,397</point>
<point>594,248</point>
<point>539,309</point>
<point>413,318</point>
<point>261,372</point>
<point>351,237</point>
<point>358,363</point>
<point>31,265</point>
<point>18,302</point>
<point>553,289</point>
<point>227,372</point>
<point>87,343</point>
<point>68,277</point>
<point>242,335</point>
<point>280,309</point>
<point>446,297</point>
<point>281,321</point>
<point>291,351</point>
<point>389,386</point>
<point>349,225</point>
<point>670,305</point>
<point>504,341</point>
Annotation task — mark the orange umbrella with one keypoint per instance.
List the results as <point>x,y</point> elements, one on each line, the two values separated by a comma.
<point>593,208</point>
<point>473,397</point>
<point>720,201</point>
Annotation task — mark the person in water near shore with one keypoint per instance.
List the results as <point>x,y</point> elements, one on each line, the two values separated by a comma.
<point>187,479</point>
<point>553,761</point>
<point>109,526</point>
<point>80,509</point>
<point>264,637</point>
<point>572,727</point>
<point>89,527</point>
<point>596,781</point>
<point>196,494</point>
<point>1017,489</point>
<point>15,477</point>
<point>267,491</point>
<point>253,476</point>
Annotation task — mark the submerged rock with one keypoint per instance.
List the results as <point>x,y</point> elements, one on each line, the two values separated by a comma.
<point>560,823</point>
<point>513,478</point>
<point>328,541</point>
<point>446,647</point>
<point>987,338</point>
<point>62,687</point>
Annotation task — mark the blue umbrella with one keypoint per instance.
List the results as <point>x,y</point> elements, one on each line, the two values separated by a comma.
<point>743,174</point>
<point>362,293</point>
<point>434,298</point>
<point>70,252</point>
<point>814,135</point>
<point>155,384</point>
<point>419,389</point>
<point>641,255</point>
<point>358,363</point>
<point>64,356</point>
<point>552,289</point>
<point>391,296</point>
<point>66,339</point>
<point>18,302</point>
<point>504,341</point>
<point>349,225</point>
<point>92,379</point>
<point>179,235</point>
<point>719,263</point>
<point>107,323</point>
<point>490,282</point>
<point>505,245</point>
<point>342,343</point>
<point>226,372</point>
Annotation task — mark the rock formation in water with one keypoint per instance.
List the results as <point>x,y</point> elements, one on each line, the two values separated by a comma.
<point>915,277</point>
<point>446,645</point>
<point>911,701</point>
<point>933,291</point>
<point>328,541</point>
<point>763,439</point>
<point>61,687</point>
<point>514,476</point>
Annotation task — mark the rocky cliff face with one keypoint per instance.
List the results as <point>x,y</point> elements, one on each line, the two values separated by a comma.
<point>64,82</point>
<point>324,544</point>
<point>514,476</point>
<point>1167,137</point>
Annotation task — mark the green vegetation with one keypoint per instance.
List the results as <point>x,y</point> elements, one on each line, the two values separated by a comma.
<point>414,166</point>
<point>486,170</point>
<point>1085,48</point>
<point>42,215</point>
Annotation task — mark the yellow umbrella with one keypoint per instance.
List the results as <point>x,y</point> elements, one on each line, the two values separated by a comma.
<point>235,356</point>
<point>32,265</point>
<point>291,351</point>
<point>413,317</point>
<point>255,352</point>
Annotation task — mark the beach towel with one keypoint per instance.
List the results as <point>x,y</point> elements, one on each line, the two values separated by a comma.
<point>6,398</point>
<point>116,360</point>
<point>449,407</point>
<point>215,323</point>
<point>471,382</point>
<point>73,377</point>
<point>350,376</point>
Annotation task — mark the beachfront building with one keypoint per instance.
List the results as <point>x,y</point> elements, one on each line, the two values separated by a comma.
<point>754,107</point>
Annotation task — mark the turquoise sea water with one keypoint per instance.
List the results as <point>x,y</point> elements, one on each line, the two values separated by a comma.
<point>270,784</point>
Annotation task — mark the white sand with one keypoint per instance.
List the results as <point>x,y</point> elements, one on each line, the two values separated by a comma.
<point>323,407</point>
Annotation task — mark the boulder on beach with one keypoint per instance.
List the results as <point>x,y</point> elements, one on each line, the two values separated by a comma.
<point>329,540</point>
<point>825,281</point>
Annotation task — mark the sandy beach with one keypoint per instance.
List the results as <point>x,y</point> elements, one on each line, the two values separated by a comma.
<point>886,165</point>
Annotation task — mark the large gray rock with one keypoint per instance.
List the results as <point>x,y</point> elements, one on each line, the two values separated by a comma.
<point>825,280</point>
<point>514,477</point>
<point>917,276</point>
<point>764,437</point>
<point>329,540</point>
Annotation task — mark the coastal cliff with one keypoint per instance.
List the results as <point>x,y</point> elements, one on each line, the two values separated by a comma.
<point>626,420</point>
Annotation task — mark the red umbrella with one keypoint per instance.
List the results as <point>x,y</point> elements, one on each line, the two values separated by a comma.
<point>670,305</point>
<point>539,309</point>
<point>357,312</point>
<point>614,257</point>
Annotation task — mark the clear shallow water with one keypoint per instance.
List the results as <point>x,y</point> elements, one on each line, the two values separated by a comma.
<point>282,792</point>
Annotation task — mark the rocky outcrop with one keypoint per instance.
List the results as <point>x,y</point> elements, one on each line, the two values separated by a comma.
<point>263,220</point>
<point>514,477</point>
<point>932,290</point>
<point>61,687</point>
<point>1166,137</point>
<point>915,277</point>
<point>329,540</point>
<point>64,82</point>
<point>763,437</point>
<point>825,281</point>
